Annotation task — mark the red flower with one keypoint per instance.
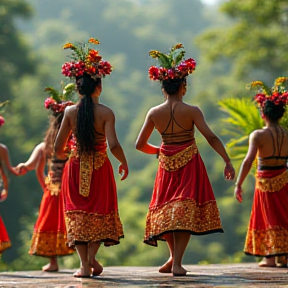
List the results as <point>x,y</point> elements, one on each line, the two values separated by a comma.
<point>2,121</point>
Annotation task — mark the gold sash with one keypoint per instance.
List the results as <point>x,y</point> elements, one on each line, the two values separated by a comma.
<point>178,160</point>
<point>88,163</point>
<point>272,184</point>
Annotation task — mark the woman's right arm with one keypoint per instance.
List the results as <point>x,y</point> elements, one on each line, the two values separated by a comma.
<point>214,142</point>
<point>114,145</point>
<point>32,162</point>
<point>5,159</point>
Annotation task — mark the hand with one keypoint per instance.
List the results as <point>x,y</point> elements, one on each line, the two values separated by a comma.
<point>238,193</point>
<point>21,169</point>
<point>123,171</point>
<point>229,172</point>
<point>3,195</point>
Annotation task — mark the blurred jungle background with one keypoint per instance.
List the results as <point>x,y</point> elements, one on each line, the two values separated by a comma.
<point>233,42</point>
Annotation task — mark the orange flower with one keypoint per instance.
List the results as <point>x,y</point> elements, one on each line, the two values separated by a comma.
<point>177,46</point>
<point>69,46</point>
<point>94,41</point>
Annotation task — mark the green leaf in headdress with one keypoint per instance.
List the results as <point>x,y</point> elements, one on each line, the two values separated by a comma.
<point>260,85</point>
<point>53,93</point>
<point>2,105</point>
<point>68,91</point>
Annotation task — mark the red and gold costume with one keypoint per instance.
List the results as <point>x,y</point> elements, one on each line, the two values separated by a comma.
<point>4,238</point>
<point>267,233</point>
<point>91,209</point>
<point>182,198</point>
<point>49,236</point>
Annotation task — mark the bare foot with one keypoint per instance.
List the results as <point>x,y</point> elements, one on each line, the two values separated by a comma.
<point>281,261</point>
<point>97,268</point>
<point>167,267</point>
<point>50,267</point>
<point>267,262</point>
<point>82,273</point>
<point>179,271</point>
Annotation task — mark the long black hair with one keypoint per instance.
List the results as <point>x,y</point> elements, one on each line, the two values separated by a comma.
<point>272,111</point>
<point>85,118</point>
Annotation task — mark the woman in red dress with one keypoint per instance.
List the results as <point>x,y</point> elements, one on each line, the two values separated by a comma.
<point>5,166</point>
<point>91,209</point>
<point>49,236</point>
<point>267,234</point>
<point>183,201</point>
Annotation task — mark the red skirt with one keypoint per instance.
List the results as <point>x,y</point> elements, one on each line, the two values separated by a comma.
<point>267,233</point>
<point>49,237</point>
<point>4,238</point>
<point>182,199</point>
<point>93,217</point>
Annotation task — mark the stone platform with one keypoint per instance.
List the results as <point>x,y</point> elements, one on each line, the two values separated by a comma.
<point>218,275</point>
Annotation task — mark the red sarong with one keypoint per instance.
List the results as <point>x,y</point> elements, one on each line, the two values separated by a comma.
<point>49,237</point>
<point>4,238</point>
<point>182,198</point>
<point>267,233</point>
<point>92,215</point>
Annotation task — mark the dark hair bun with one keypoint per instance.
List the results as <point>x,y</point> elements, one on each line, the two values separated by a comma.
<point>172,86</point>
<point>272,111</point>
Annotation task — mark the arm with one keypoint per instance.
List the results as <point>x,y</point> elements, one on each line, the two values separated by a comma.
<point>40,167</point>
<point>246,165</point>
<point>115,146</point>
<point>5,159</point>
<point>214,142</point>
<point>142,139</point>
<point>31,163</point>
<point>62,136</point>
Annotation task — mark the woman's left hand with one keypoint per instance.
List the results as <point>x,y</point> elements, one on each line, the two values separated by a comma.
<point>238,193</point>
<point>229,172</point>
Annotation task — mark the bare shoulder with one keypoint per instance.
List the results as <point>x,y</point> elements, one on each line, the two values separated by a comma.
<point>70,110</point>
<point>3,148</point>
<point>258,134</point>
<point>105,112</point>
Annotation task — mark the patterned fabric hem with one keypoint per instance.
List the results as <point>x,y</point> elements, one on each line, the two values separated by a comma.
<point>93,227</point>
<point>49,244</point>
<point>182,215</point>
<point>266,242</point>
<point>272,184</point>
<point>4,246</point>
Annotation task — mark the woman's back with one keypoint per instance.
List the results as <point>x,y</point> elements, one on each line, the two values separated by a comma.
<point>101,115</point>
<point>174,121</point>
<point>272,146</point>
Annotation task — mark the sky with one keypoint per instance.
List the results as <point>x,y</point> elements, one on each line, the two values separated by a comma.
<point>209,2</point>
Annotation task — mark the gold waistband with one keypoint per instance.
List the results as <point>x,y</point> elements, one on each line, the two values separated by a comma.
<point>178,160</point>
<point>272,184</point>
<point>88,163</point>
<point>53,187</point>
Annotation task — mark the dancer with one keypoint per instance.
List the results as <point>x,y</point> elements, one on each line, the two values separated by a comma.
<point>268,227</point>
<point>5,166</point>
<point>49,236</point>
<point>91,208</point>
<point>183,201</point>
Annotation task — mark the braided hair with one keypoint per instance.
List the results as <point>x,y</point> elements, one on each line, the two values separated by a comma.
<point>85,118</point>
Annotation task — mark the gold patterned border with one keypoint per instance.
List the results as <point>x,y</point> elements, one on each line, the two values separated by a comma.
<point>4,246</point>
<point>266,242</point>
<point>182,215</point>
<point>49,244</point>
<point>178,160</point>
<point>272,184</point>
<point>93,227</point>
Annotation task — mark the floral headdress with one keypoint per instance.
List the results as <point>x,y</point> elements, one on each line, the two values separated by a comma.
<point>85,59</point>
<point>59,101</point>
<point>278,94</point>
<point>171,65</point>
<point>2,105</point>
